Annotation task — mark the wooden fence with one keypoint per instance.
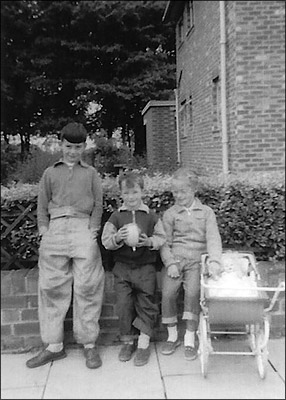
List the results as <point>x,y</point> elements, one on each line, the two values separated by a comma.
<point>19,242</point>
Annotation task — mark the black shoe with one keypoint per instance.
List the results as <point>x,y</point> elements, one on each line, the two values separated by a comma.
<point>93,359</point>
<point>126,351</point>
<point>45,357</point>
<point>142,356</point>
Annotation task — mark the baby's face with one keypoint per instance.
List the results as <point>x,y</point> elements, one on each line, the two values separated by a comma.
<point>230,267</point>
<point>239,266</point>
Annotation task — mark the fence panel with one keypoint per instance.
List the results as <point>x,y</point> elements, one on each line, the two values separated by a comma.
<point>19,241</point>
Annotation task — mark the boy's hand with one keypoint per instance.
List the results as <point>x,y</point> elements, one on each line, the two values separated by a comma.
<point>215,269</point>
<point>144,240</point>
<point>121,234</point>
<point>173,271</point>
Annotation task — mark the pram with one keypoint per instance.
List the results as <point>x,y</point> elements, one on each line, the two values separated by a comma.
<point>236,315</point>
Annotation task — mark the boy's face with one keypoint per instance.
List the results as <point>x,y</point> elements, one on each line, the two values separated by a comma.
<point>72,151</point>
<point>132,196</point>
<point>183,193</point>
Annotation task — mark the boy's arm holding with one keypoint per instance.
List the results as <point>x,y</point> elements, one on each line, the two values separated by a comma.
<point>95,218</point>
<point>214,245</point>
<point>111,238</point>
<point>156,240</point>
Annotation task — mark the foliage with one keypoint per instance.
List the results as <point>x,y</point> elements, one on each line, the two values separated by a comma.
<point>61,56</point>
<point>106,155</point>
<point>31,170</point>
<point>10,157</point>
<point>250,216</point>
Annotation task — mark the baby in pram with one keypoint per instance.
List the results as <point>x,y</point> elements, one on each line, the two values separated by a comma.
<point>235,280</point>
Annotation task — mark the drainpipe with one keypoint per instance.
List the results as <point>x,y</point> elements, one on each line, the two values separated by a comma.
<point>223,90</point>
<point>177,128</point>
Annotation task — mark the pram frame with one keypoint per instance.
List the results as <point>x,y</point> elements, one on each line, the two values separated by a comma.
<point>257,327</point>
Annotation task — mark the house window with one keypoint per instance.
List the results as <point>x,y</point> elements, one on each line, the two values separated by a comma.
<point>216,99</point>
<point>190,16</point>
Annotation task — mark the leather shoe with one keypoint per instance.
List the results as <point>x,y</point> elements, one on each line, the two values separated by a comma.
<point>126,351</point>
<point>45,357</point>
<point>170,347</point>
<point>141,356</point>
<point>191,353</point>
<point>93,359</point>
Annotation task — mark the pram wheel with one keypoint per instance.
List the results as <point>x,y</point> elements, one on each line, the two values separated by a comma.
<point>204,346</point>
<point>261,336</point>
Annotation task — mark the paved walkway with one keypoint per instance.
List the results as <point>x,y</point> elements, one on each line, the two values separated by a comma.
<point>164,377</point>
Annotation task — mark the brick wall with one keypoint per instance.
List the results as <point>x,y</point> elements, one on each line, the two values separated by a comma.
<point>19,309</point>
<point>258,140</point>
<point>161,141</point>
<point>255,74</point>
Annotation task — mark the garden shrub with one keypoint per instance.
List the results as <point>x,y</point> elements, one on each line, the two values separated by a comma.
<point>10,157</point>
<point>250,210</point>
<point>31,170</point>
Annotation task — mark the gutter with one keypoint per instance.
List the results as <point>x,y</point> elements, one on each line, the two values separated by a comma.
<point>223,90</point>
<point>177,128</point>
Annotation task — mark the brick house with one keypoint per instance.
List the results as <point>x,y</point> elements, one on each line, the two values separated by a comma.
<point>230,84</point>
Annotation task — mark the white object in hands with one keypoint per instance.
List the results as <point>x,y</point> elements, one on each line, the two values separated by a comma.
<point>133,235</point>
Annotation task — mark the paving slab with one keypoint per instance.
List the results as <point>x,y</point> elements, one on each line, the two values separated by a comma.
<point>229,376</point>
<point>15,374</point>
<point>224,386</point>
<point>114,379</point>
<point>276,348</point>
<point>23,393</point>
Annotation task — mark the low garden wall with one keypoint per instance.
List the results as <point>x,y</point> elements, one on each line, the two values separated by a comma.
<point>19,308</point>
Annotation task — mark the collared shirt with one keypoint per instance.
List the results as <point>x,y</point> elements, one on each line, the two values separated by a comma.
<point>74,192</point>
<point>190,233</point>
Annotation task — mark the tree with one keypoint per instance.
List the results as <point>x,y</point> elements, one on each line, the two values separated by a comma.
<point>66,55</point>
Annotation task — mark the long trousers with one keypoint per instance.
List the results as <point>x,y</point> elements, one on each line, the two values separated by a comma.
<point>190,279</point>
<point>136,307</point>
<point>70,259</point>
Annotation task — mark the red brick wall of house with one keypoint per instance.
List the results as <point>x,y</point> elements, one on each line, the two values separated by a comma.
<point>255,51</point>
<point>198,60</point>
<point>160,122</point>
<point>258,137</point>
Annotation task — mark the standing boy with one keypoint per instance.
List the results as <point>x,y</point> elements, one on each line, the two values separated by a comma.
<point>191,230</point>
<point>69,215</point>
<point>134,269</point>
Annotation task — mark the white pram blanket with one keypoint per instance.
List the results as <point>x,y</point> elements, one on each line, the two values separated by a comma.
<point>230,285</point>
<point>235,281</point>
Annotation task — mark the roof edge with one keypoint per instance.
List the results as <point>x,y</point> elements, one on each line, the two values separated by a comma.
<point>158,103</point>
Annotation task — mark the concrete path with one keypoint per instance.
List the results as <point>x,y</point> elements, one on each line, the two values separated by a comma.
<point>164,377</point>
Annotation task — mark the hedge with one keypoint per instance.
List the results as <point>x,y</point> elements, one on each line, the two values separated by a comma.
<point>250,213</point>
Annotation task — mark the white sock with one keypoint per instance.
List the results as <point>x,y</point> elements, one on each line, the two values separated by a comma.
<point>172,333</point>
<point>143,341</point>
<point>88,346</point>
<point>189,338</point>
<point>55,347</point>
